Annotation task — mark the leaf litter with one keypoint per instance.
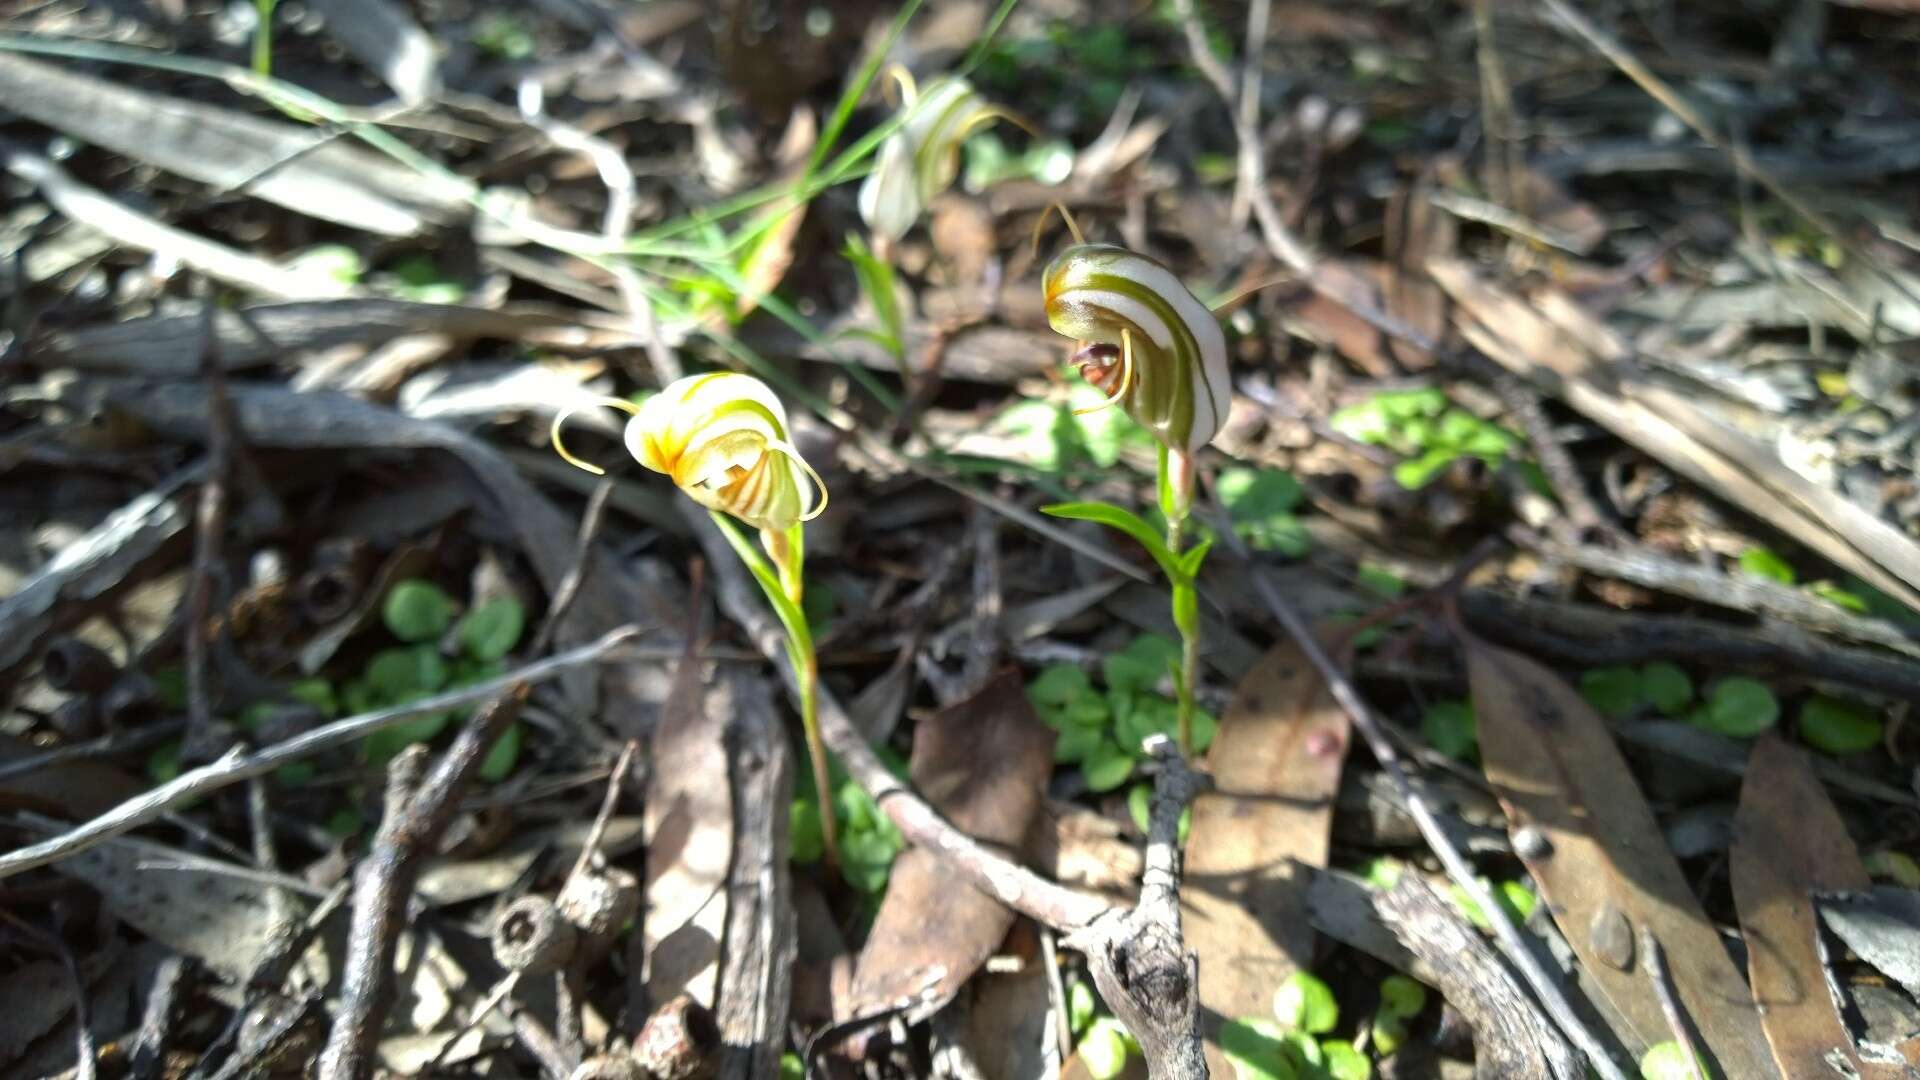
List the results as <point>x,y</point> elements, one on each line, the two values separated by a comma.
<point>468,222</point>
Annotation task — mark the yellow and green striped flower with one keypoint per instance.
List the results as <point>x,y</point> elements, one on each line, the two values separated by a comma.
<point>722,437</point>
<point>1146,341</point>
<point>921,158</point>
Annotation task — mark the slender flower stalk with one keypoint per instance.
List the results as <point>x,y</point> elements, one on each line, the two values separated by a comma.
<point>723,439</point>
<point>1158,353</point>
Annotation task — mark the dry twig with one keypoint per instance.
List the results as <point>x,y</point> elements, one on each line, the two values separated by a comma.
<point>239,765</point>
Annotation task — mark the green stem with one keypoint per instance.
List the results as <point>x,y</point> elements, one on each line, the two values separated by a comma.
<point>780,580</point>
<point>1176,498</point>
<point>263,37</point>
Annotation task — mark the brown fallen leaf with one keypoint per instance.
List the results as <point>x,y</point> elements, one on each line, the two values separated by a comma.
<point>1604,869</point>
<point>1276,769</point>
<point>1788,843</point>
<point>689,830</point>
<point>1415,232</point>
<point>983,763</point>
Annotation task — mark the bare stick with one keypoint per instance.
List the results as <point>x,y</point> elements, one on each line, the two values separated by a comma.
<point>239,765</point>
<point>1669,1004</point>
<point>209,529</point>
<point>417,813</point>
<point>1143,969</point>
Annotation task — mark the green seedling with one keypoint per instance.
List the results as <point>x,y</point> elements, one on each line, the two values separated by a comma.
<point>1344,1062</point>
<point>1258,1049</point>
<point>1518,900</point>
<point>1739,707</point>
<point>1426,428</point>
<point>1897,867</point>
<point>1402,997</point>
<point>417,610</point>
<point>1761,563</point>
<point>1105,1047</point>
<point>1450,727</point>
<point>1619,692</point>
<point>1103,732</point>
<point>1140,808</point>
<point>1261,504</point>
<point>1668,1061</point>
<point>1305,1003</point>
<point>503,35</point>
<point>869,841</point>
<point>1838,727</point>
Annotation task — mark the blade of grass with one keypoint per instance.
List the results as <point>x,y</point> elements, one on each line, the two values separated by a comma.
<point>856,90</point>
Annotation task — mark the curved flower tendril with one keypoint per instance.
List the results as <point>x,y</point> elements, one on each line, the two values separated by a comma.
<point>1172,373</point>
<point>723,439</point>
<point>922,157</point>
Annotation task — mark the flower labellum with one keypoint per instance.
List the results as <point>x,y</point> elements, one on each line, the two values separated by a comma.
<point>921,158</point>
<point>1147,342</point>
<point>722,437</point>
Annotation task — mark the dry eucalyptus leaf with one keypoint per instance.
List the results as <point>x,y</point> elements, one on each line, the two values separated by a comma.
<point>1790,843</point>
<point>1276,764</point>
<point>1605,870</point>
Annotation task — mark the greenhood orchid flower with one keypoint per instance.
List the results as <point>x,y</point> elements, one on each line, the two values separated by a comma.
<point>921,158</point>
<point>723,438</point>
<point>1151,345</point>
<point>1157,352</point>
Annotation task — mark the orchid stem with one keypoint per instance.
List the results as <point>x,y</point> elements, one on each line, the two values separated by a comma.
<point>781,580</point>
<point>1176,500</point>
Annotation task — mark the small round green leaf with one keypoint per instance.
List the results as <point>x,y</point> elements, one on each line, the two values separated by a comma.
<point>491,630</point>
<point>1668,1061</point>
<point>1075,743</point>
<point>1388,1033</point>
<point>1140,805</point>
<point>403,673</point>
<point>1106,767</point>
<point>806,840</point>
<point>1343,1062</point>
<point>1614,691</point>
<point>1305,1003</point>
<point>1449,727</point>
<point>503,755</point>
<point>1402,996</point>
<point>1140,666</point>
<point>1761,563</point>
<point>1838,727</point>
<point>1740,707</point>
<point>417,610</point>
<point>1665,687</point>
<point>1894,866</point>
<point>1257,1049</point>
<point>1103,1050</point>
<point>1080,1006</point>
<point>1059,685</point>
<point>866,858</point>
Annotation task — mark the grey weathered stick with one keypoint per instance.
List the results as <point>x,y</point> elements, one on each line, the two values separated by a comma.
<point>1511,1038</point>
<point>418,811</point>
<point>239,765</point>
<point>1669,1001</point>
<point>1144,970</point>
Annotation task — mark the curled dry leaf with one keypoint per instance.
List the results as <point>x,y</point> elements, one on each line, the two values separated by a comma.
<point>1605,871</point>
<point>1790,843</point>
<point>1276,768</point>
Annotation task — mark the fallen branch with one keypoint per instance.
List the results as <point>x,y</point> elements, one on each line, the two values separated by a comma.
<point>418,811</point>
<point>238,764</point>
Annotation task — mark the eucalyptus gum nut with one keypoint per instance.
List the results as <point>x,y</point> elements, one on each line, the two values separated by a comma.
<point>531,938</point>
<point>600,902</point>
